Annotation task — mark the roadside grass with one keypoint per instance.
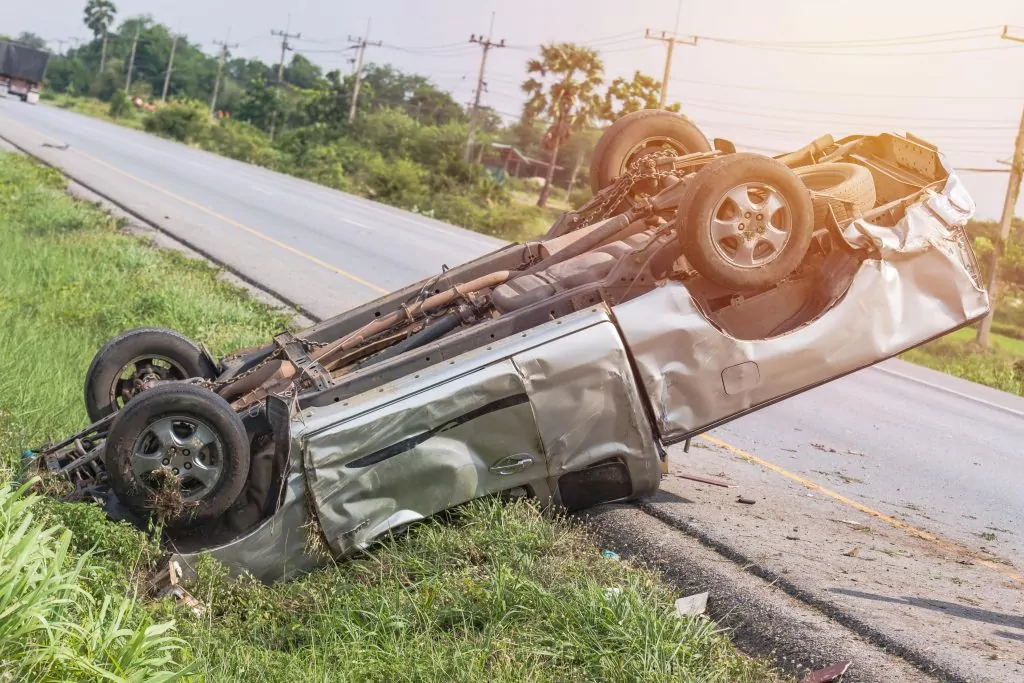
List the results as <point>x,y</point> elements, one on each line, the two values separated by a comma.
<point>97,109</point>
<point>494,591</point>
<point>1000,366</point>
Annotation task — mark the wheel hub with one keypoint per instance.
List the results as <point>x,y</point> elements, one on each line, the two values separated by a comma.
<point>751,225</point>
<point>136,374</point>
<point>184,447</point>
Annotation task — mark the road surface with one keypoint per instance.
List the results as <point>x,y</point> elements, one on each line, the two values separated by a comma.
<point>939,453</point>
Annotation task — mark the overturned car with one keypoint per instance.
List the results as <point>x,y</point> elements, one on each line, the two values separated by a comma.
<point>698,285</point>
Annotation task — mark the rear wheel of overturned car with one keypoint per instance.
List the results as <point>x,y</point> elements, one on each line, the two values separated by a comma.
<point>745,221</point>
<point>178,453</point>
<point>640,134</point>
<point>122,367</point>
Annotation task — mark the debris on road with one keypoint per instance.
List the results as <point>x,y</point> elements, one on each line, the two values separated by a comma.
<point>823,448</point>
<point>856,526</point>
<point>745,501</point>
<point>692,605</point>
<point>853,553</point>
<point>609,555</point>
<point>705,480</point>
<point>828,674</point>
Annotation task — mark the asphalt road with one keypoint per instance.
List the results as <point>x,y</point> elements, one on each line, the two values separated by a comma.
<point>938,453</point>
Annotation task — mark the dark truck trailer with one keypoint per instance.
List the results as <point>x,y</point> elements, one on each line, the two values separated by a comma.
<point>22,69</point>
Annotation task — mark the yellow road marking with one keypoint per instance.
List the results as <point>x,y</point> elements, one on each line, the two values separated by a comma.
<point>236,224</point>
<point>947,546</point>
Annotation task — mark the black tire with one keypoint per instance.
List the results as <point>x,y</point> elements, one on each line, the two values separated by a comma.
<point>184,358</point>
<point>618,146</point>
<point>182,405</point>
<point>751,255</point>
<point>848,189</point>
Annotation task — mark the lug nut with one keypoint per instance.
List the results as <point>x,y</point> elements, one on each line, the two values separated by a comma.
<point>760,216</point>
<point>746,215</point>
<point>175,470</point>
<point>166,461</point>
<point>188,466</point>
<point>742,226</point>
<point>185,451</point>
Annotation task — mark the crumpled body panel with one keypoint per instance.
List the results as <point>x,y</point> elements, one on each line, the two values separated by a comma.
<point>923,285</point>
<point>517,414</point>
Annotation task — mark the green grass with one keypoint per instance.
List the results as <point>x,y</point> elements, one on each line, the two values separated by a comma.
<point>494,592</point>
<point>1013,346</point>
<point>96,109</point>
<point>1000,366</point>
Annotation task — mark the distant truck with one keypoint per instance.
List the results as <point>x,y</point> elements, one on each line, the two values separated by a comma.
<point>21,70</point>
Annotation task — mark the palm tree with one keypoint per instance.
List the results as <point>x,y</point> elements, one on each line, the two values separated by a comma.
<point>562,88</point>
<point>99,15</point>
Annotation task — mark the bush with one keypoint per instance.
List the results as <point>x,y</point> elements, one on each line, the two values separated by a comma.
<point>119,104</point>
<point>1008,330</point>
<point>242,141</point>
<point>185,121</point>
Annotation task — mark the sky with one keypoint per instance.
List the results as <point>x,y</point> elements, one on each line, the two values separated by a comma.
<point>852,68</point>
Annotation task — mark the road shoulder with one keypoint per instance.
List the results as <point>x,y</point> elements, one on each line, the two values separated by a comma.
<point>951,611</point>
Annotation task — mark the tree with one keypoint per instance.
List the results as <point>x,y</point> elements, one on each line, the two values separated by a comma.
<point>627,96</point>
<point>563,89</point>
<point>302,73</point>
<point>99,15</point>
<point>31,39</point>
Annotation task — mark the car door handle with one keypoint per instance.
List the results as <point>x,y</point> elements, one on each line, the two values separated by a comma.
<point>512,464</point>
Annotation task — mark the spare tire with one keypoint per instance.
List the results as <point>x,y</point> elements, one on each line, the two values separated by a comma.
<point>745,221</point>
<point>638,134</point>
<point>848,189</point>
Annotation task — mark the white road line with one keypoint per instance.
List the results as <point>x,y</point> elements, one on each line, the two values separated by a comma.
<point>954,392</point>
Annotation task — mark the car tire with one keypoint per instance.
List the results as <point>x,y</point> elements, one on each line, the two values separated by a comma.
<point>745,221</point>
<point>848,189</point>
<point>174,356</point>
<point>183,431</point>
<point>627,139</point>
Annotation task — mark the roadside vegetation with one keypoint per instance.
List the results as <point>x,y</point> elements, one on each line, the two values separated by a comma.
<point>493,590</point>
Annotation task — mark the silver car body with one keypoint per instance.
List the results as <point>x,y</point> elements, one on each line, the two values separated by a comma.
<point>600,384</point>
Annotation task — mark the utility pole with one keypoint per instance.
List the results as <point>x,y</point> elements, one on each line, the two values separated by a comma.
<point>360,44</point>
<point>131,60</point>
<point>170,65</point>
<point>672,41</point>
<point>486,44</point>
<point>285,35</point>
<point>224,47</point>
<point>1005,222</point>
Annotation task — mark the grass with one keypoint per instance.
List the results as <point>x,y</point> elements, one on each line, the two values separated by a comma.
<point>96,109</point>
<point>495,591</point>
<point>1000,366</point>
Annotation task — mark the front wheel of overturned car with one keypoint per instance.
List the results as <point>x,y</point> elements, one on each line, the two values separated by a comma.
<point>178,453</point>
<point>745,221</point>
<point>126,362</point>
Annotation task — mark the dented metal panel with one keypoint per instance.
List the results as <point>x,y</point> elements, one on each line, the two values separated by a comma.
<point>921,285</point>
<point>588,405</point>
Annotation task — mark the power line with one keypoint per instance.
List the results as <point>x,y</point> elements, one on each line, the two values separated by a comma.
<point>224,47</point>
<point>922,38</point>
<point>847,94</point>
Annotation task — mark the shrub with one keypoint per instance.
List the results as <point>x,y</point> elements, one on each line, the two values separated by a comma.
<point>119,104</point>
<point>185,121</point>
<point>242,141</point>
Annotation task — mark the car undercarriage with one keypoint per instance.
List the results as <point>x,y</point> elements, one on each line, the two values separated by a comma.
<point>699,284</point>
